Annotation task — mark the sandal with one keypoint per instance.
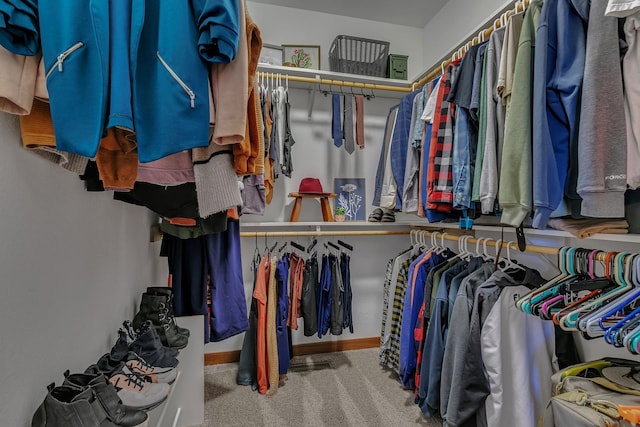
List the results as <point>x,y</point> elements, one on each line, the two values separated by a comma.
<point>389,216</point>
<point>376,215</point>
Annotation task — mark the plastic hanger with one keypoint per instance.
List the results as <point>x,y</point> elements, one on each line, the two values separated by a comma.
<point>617,286</point>
<point>526,301</point>
<point>594,324</point>
<point>512,265</point>
<point>346,246</point>
<point>441,248</point>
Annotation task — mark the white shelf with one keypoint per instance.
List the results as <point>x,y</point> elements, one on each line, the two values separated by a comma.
<point>333,75</point>
<point>407,224</point>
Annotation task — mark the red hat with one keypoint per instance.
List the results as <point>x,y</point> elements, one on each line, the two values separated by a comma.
<point>311,186</point>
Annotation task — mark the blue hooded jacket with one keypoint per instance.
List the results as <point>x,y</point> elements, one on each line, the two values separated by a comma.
<point>559,68</point>
<point>170,43</point>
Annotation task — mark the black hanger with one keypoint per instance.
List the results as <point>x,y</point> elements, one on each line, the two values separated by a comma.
<point>312,245</point>
<point>297,246</point>
<point>345,245</point>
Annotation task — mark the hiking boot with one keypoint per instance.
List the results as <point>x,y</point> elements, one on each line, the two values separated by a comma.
<point>168,293</point>
<point>107,397</point>
<point>138,366</point>
<point>155,308</point>
<point>70,407</point>
<point>133,390</point>
<point>148,346</point>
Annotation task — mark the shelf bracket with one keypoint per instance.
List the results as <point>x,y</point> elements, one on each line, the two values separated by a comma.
<point>312,97</point>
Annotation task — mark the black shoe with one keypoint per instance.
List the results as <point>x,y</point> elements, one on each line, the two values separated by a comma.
<point>66,406</point>
<point>148,345</point>
<point>156,309</point>
<point>106,395</point>
<point>167,292</point>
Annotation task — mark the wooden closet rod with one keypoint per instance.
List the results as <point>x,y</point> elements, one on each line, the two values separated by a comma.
<point>330,82</point>
<point>320,233</point>
<point>547,250</point>
<point>436,69</point>
<point>537,249</point>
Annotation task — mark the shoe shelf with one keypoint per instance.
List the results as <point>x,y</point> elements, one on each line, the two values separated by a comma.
<point>157,415</point>
<point>185,404</point>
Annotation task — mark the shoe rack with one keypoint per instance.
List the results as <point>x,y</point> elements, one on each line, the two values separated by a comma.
<point>185,404</point>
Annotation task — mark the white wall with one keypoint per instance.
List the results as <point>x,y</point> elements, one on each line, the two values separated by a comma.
<point>285,25</point>
<point>73,266</point>
<point>453,24</point>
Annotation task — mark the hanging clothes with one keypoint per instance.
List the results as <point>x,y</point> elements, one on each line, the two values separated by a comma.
<point>260,294</point>
<point>309,297</point>
<point>345,269</point>
<point>282,281</point>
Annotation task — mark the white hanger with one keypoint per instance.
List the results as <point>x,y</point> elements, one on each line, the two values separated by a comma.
<point>487,256</point>
<point>510,262</point>
<point>442,246</point>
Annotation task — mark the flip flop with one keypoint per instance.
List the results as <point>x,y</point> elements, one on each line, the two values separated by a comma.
<point>389,216</point>
<point>376,215</point>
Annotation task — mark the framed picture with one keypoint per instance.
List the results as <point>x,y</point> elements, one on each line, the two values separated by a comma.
<point>302,56</point>
<point>351,197</point>
<point>271,54</point>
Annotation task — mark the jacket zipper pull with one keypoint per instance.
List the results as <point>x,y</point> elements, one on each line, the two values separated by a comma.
<point>192,96</point>
<point>60,61</point>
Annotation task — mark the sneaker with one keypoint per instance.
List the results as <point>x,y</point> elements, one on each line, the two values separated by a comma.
<point>133,390</point>
<point>138,365</point>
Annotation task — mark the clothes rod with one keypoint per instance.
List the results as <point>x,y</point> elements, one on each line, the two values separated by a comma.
<point>320,233</point>
<point>340,83</point>
<point>547,250</point>
<point>498,21</point>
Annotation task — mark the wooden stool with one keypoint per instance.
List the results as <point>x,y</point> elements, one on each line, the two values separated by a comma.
<point>327,215</point>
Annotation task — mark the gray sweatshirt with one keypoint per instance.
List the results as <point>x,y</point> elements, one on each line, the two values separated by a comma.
<point>602,146</point>
<point>495,125</point>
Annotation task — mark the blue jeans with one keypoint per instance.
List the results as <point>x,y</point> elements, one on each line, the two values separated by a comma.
<point>462,181</point>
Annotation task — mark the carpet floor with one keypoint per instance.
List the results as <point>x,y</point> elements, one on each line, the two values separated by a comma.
<point>333,389</point>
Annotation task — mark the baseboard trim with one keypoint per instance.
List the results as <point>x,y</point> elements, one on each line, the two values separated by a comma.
<point>301,349</point>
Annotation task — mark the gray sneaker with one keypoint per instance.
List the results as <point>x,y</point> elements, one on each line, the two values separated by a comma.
<point>134,391</point>
<point>149,373</point>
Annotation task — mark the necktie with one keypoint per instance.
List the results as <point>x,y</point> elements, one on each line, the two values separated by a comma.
<point>349,142</point>
<point>336,125</point>
<point>360,121</point>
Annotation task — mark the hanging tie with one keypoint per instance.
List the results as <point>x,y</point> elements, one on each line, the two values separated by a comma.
<point>360,121</point>
<point>336,117</point>
<point>349,142</point>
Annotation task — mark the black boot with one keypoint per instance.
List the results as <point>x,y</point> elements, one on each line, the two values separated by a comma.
<point>148,345</point>
<point>108,399</point>
<point>155,309</point>
<point>168,292</point>
<point>69,407</point>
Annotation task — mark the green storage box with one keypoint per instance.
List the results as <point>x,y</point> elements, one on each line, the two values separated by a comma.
<point>397,67</point>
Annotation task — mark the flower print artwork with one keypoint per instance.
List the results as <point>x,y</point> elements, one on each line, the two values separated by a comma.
<point>351,197</point>
<point>301,58</point>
